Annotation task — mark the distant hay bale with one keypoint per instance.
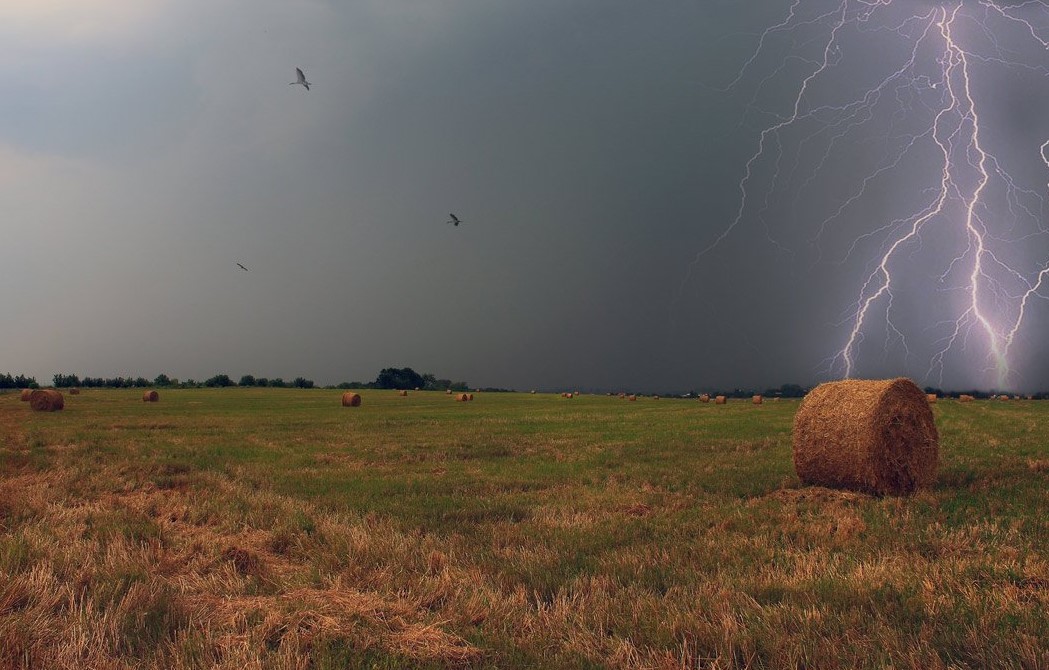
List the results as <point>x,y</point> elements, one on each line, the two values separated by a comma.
<point>533,391</point>
<point>74,391</point>
<point>705,397</point>
<point>655,397</point>
<point>150,396</point>
<point>872,436</point>
<point>756,400</point>
<point>25,395</point>
<point>965,398</point>
<point>1003,397</point>
<point>461,397</point>
<point>469,396</point>
<point>403,394</point>
<point>632,398</point>
<point>351,399</point>
<point>448,391</point>
<point>621,394</point>
<point>46,400</point>
<point>931,397</point>
<point>720,400</point>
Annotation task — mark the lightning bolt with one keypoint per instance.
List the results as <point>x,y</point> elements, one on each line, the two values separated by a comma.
<point>925,111</point>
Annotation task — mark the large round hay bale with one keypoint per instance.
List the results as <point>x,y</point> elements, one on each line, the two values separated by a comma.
<point>705,397</point>
<point>931,397</point>
<point>150,396</point>
<point>756,400</point>
<point>965,398</point>
<point>872,436</point>
<point>720,400</point>
<point>403,394</point>
<point>46,400</point>
<point>461,397</point>
<point>469,396</point>
<point>351,399</point>
<point>632,398</point>
<point>25,395</point>
<point>74,391</point>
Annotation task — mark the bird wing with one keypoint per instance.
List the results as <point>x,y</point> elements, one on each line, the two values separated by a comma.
<point>242,267</point>
<point>302,77</point>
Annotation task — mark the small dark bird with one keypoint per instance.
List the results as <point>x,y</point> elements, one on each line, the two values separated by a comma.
<point>301,80</point>
<point>455,220</point>
<point>242,267</point>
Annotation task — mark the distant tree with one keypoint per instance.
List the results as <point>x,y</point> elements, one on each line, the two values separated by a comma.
<point>65,381</point>
<point>262,381</point>
<point>459,386</point>
<point>162,380</point>
<point>398,378</point>
<point>302,383</point>
<point>219,380</point>
<point>246,380</point>
<point>277,382</point>
<point>141,382</point>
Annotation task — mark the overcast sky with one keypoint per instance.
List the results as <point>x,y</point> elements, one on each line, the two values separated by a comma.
<point>593,150</point>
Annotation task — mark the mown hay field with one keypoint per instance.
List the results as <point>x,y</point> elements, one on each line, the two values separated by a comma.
<point>274,528</point>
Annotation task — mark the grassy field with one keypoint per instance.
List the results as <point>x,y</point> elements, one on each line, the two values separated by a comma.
<point>273,528</point>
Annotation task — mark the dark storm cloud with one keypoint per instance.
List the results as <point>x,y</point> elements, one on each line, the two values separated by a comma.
<point>586,147</point>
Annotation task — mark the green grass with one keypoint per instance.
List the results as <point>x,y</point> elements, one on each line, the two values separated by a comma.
<point>275,528</point>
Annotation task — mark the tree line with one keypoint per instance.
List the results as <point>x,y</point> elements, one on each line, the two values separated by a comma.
<point>388,378</point>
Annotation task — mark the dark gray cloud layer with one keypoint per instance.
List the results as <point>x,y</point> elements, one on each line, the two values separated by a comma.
<point>585,146</point>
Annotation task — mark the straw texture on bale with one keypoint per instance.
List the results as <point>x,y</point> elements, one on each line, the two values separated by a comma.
<point>150,396</point>
<point>74,391</point>
<point>705,397</point>
<point>931,397</point>
<point>25,395</point>
<point>872,436</point>
<point>462,397</point>
<point>756,400</point>
<point>46,400</point>
<point>351,399</point>
<point>720,400</point>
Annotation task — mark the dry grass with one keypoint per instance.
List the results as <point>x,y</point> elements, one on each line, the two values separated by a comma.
<point>241,532</point>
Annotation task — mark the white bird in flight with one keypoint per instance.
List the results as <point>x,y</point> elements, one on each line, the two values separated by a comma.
<point>301,80</point>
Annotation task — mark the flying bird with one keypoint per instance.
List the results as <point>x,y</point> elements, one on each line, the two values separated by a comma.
<point>242,267</point>
<point>455,220</point>
<point>301,79</point>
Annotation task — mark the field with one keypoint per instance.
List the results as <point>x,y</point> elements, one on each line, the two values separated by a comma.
<point>273,528</point>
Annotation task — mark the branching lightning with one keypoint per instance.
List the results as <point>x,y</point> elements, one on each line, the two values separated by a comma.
<point>922,126</point>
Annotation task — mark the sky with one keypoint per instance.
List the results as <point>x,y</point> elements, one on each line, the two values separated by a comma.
<point>654,196</point>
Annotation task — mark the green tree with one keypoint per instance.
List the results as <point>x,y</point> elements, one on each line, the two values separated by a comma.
<point>398,378</point>
<point>247,380</point>
<point>219,380</point>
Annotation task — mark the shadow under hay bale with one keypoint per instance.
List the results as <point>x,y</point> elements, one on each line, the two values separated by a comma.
<point>25,395</point>
<point>350,399</point>
<point>46,400</point>
<point>150,396</point>
<point>872,436</point>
